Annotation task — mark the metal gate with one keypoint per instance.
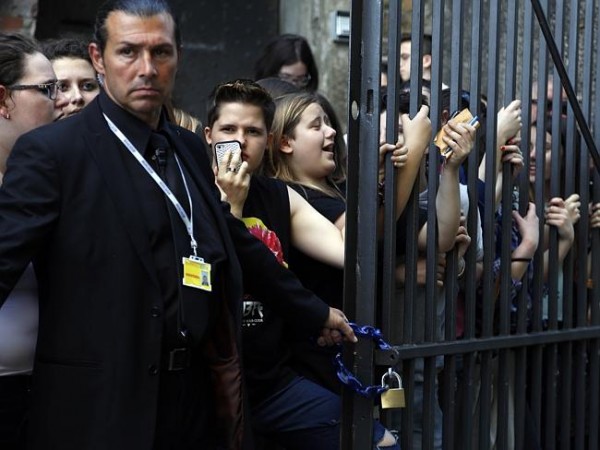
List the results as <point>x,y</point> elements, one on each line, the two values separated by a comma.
<point>518,376</point>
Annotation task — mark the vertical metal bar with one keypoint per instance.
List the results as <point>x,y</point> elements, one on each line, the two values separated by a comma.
<point>523,180</point>
<point>391,311</point>
<point>556,167</point>
<point>521,359</point>
<point>551,385</point>
<point>539,185</point>
<point>432,291</point>
<point>594,293</point>
<point>535,385</point>
<point>569,350</point>
<point>504,367</point>
<point>389,234</point>
<point>456,62</point>
<point>471,296</point>
<point>361,263</point>
<point>512,35</point>
<point>468,384</point>
<point>556,170</point>
<point>473,165</point>
<point>485,400</point>
<point>429,398</point>
<point>448,402</point>
<point>565,391</point>
<point>489,224</point>
<point>408,376</point>
<point>538,279</point>
<point>451,282</point>
<point>490,169</point>
<point>571,157</point>
<point>520,396</point>
<point>594,393</point>
<point>579,384</point>
<point>351,256</point>
<point>466,400</point>
<point>413,313</point>
<point>416,48</point>
<point>582,236</point>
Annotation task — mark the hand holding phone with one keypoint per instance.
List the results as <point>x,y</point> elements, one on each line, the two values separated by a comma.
<point>463,116</point>
<point>223,147</point>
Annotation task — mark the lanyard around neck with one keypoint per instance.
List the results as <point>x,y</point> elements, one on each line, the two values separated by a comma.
<point>188,221</point>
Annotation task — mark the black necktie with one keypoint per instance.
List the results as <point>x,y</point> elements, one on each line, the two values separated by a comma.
<point>167,167</point>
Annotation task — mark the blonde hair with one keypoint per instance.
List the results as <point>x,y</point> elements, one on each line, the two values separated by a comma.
<point>186,120</point>
<point>287,117</point>
<point>183,119</point>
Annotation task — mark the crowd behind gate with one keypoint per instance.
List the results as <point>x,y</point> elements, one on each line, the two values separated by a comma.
<point>159,293</point>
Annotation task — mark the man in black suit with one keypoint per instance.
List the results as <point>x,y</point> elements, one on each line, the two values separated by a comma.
<point>119,212</point>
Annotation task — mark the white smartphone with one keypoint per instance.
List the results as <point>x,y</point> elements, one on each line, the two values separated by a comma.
<point>222,147</point>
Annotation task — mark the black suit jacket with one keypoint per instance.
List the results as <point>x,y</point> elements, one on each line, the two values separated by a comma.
<point>66,203</point>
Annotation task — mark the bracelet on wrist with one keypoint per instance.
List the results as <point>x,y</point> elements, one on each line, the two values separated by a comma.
<point>521,259</point>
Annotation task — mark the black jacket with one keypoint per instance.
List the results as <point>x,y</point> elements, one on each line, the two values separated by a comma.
<point>65,203</point>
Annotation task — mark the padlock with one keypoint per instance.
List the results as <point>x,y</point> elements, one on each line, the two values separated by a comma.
<point>392,397</point>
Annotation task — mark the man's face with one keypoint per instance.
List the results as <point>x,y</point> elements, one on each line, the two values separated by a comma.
<point>139,62</point>
<point>405,52</point>
<point>405,60</point>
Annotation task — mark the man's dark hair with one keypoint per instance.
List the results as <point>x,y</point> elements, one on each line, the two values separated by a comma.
<point>141,8</point>
<point>403,98</point>
<point>66,48</point>
<point>426,46</point>
<point>13,50</point>
<point>285,50</point>
<point>241,91</point>
<point>464,100</point>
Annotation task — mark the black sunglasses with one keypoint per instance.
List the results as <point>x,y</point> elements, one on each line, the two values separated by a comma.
<point>300,81</point>
<point>48,89</point>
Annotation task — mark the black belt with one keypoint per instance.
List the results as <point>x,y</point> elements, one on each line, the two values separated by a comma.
<point>177,359</point>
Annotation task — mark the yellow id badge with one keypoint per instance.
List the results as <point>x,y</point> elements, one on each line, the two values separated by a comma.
<point>196,273</point>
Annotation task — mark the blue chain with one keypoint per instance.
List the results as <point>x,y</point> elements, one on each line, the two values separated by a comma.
<point>347,377</point>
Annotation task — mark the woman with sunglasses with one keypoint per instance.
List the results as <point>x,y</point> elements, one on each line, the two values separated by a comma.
<point>27,100</point>
<point>289,58</point>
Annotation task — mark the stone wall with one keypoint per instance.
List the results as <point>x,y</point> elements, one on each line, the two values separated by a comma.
<point>18,16</point>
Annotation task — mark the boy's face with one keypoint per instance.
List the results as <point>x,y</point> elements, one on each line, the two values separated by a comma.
<point>405,60</point>
<point>244,123</point>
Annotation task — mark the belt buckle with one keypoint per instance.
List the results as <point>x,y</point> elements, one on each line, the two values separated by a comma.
<point>179,359</point>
